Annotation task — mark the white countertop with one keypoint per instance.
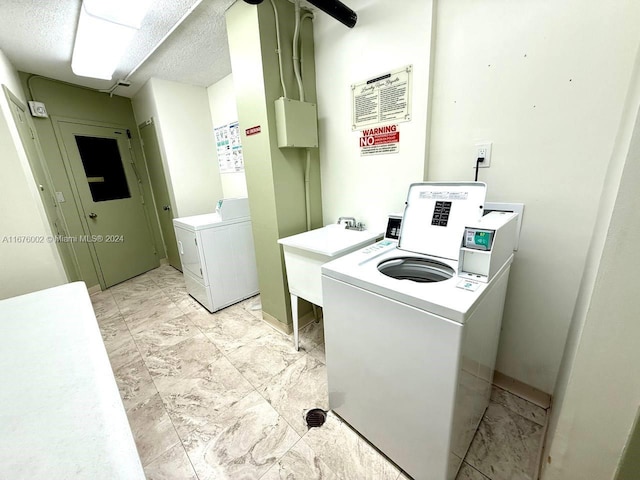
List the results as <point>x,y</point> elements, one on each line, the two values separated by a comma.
<point>61,416</point>
<point>331,241</point>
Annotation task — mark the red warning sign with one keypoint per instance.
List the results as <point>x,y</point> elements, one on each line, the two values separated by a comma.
<point>253,130</point>
<point>380,140</point>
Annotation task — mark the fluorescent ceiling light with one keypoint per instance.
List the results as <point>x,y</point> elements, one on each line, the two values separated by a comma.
<point>105,30</point>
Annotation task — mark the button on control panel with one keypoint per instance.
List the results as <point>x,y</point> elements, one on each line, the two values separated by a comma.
<point>376,247</point>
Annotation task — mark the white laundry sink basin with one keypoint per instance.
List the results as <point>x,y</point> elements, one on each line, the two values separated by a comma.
<point>305,253</point>
<point>331,241</point>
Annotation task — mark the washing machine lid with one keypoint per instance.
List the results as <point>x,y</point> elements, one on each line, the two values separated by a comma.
<point>436,214</point>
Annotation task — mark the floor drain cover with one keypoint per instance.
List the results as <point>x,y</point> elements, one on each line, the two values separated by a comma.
<point>316,417</point>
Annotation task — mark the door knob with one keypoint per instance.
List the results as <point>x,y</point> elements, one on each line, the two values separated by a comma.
<point>166,208</point>
<point>93,215</point>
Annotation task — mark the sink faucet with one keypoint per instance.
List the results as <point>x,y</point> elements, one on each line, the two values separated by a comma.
<point>351,223</point>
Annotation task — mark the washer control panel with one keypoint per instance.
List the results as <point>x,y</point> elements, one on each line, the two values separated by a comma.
<point>377,247</point>
<point>478,239</point>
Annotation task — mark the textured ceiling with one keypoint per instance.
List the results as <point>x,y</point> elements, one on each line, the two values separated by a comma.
<point>37,36</point>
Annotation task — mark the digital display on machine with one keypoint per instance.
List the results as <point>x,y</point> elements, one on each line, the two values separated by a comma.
<point>478,239</point>
<point>393,228</point>
<point>441,213</point>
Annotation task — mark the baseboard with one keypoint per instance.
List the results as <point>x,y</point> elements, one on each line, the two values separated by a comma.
<point>287,328</point>
<point>94,289</point>
<point>164,261</point>
<point>522,390</point>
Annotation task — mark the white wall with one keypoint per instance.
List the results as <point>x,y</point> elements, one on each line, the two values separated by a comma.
<point>185,131</point>
<point>546,82</point>
<point>386,37</point>
<point>222,104</point>
<point>26,267</point>
<point>598,389</point>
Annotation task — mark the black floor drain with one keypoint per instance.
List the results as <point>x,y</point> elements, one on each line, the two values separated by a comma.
<point>316,417</point>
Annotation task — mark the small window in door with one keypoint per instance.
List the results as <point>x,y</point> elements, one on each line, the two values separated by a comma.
<point>103,168</point>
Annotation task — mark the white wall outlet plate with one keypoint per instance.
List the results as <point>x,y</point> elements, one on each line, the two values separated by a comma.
<point>483,150</point>
<point>38,109</point>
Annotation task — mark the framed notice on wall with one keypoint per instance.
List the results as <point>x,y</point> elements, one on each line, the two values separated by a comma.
<point>383,99</point>
<point>229,148</point>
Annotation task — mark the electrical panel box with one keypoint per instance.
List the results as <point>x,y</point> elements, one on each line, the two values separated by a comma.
<point>296,123</point>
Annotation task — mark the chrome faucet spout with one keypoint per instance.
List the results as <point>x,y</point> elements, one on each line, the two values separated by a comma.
<point>350,221</point>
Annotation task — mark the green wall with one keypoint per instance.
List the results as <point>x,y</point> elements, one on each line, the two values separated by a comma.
<point>64,101</point>
<point>629,467</point>
<point>275,177</point>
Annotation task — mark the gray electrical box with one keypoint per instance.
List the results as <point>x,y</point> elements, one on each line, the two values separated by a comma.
<point>296,123</point>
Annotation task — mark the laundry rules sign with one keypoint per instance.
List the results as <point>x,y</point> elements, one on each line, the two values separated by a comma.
<point>380,140</point>
<point>381,100</point>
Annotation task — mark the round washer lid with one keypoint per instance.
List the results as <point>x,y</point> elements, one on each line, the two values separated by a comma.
<point>436,214</point>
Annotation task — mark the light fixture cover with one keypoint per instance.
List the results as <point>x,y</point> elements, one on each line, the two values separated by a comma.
<point>103,35</point>
<point>125,12</point>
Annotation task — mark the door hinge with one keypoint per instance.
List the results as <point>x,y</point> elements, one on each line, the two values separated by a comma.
<point>128,133</point>
<point>200,272</point>
<point>195,240</point>
<point>33,135</point>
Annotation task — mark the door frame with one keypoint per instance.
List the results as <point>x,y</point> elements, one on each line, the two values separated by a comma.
<point>56,120</point>
<point>70,261</point>
<point>151,123</point>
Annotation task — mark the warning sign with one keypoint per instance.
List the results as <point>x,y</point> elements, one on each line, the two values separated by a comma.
<point>380,140</point>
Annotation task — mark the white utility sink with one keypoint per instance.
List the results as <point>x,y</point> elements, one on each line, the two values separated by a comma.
<point>305,253</point>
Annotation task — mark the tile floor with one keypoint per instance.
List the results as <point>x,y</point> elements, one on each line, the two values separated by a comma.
<point>223,396</point>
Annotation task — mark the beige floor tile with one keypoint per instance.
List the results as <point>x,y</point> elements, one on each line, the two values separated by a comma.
<point>124,353</point>
<point>319,354</point>
<point>229,329</point>
<point>346,454</point>
<point>467,472</point>
<point>519,405</point>
<point>506,445</point>
<point>297,389</point>
<point>141,314</point>
<point>163,332</point>
<point>152,429</point>
<point>311,336</point>
<point>300,462</point>
<point>134,383</point>
<point>115,333</point>
<point>243,442</point>
<point>104,305</point>
<point>171,465</point>
<point>201,396</point>
<point>264,357</point>
<point>169,364</point>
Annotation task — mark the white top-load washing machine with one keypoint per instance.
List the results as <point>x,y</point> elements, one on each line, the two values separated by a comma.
<point>217,254</point>
<point>412,328</point>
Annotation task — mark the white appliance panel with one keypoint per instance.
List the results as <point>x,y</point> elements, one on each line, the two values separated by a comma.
<point>189,252</point>
<point>375,344</point>
<point>246,262</point>
<point>436,214</point>
<point>222,273</point>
